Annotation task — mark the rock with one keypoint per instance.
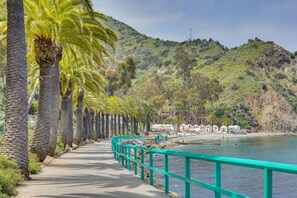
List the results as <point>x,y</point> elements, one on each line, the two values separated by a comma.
<point>136,142</point>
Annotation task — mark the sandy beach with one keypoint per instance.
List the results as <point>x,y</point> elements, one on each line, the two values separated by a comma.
<point>201,137</point>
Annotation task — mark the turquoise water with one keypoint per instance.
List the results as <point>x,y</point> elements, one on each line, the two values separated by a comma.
<point>239,179</point>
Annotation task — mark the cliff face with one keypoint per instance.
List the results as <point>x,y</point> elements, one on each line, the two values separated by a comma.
<point>259,76</point>
<point>273,112</point>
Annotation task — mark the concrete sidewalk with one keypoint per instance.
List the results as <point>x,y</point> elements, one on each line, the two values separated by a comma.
<point>91,171</point>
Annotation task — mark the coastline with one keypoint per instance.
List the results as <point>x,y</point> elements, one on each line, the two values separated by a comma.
<point>199,138</point>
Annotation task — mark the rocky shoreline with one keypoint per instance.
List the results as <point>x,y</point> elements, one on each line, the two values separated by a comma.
<point>188,139</point>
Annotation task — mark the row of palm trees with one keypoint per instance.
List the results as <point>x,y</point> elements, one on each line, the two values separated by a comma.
<point>66,44</point>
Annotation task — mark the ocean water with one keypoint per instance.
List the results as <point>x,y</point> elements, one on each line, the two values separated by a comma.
<point>242,180</point>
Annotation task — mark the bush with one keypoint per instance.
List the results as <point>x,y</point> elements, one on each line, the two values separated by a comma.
<point>280,75</point>
<point>60,147</point>
<point>294,80</point>
<point>10,176</point>
<point>227,122</point>
<point>234,87</point>
<point>212,119</point>
<point>34,165</point>
<point>1,138</point>
<point>249,72</point>
<point>264,87</point>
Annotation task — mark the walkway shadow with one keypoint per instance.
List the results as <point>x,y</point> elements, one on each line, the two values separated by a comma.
<point>107,195</point>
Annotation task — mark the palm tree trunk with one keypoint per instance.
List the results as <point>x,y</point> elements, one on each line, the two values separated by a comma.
<point>127,124</point>
<point>84,134</point>
<point>64,120</point>
<point>119,125</point>
<point>123,125</point>
<point>79,119</point>
<point>15,141</point>
<point>40,139</point>
<point>115,124</point>
<point>107,126</point>
<point>92,137</point>
<point>88,118</point>
<point>55,106</point>
<point>70,123</point>
<point>102,127</point>
<point>111,125</point>
<point>148,127</point>
<point>135,125</point>
<point>131,126</point>
<point>97,126</point>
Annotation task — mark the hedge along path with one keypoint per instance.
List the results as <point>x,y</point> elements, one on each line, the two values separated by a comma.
<point>90,171</point>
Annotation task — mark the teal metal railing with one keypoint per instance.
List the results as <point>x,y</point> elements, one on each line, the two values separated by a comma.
<point>122,153</point>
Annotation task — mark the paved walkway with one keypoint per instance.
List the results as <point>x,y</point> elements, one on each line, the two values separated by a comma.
<point>91,171</point>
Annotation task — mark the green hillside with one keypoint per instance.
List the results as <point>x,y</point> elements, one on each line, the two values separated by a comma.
<point>259,78</point>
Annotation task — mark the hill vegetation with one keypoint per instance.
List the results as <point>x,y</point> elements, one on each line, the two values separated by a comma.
<point>258,79</point>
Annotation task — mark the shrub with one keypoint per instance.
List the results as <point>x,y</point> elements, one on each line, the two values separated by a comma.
<point>10,176</point>
<point>227,122</point>
<point>280,75</point>
<point>240,77</point>
<point>1,138</point>
<point>249,62</point>
<point>264,87</point>
<point>60,147</point>
<point>212,119</point>
<point>294,80</point>
<point>234,87</point>
<point>34,165</point>
<point>249,72</point>
<point>292,56</point>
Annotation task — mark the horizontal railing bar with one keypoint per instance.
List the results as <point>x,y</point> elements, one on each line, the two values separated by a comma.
<point>196,182</point>
<point>257,164</point>
<point>280,167</point>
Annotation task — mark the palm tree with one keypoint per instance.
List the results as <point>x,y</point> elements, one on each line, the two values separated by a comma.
<point>15,142</point>
<point>97,102</point>
<point>76,76</point>
<point>79,118</point>
<point>55,23</point>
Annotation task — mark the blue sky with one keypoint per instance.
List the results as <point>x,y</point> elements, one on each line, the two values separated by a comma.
<point>231,22</point>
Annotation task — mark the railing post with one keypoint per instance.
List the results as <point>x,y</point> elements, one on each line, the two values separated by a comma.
<point>119,152</point>
<point>142,162</point>
<point>187,175</point>
<point>267,183</point>
<point>151,171</point>
<point>125,152</point>
<point>166,178</point>
<point>128,158</point>
<point>123,158</point>
<point>217,177</point>
<point>135,161</point>
<point>113,148</point>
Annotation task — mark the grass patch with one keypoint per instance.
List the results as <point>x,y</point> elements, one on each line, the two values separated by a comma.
<point>34,165</point>
<point>10,176</point>
<point>1,139</point>
<point>60,147</point>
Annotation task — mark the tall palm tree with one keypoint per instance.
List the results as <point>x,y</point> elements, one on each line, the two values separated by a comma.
<point>55,23</point>
<point>15,142</point>
<point>79,118</point>
<point>75,76</point>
